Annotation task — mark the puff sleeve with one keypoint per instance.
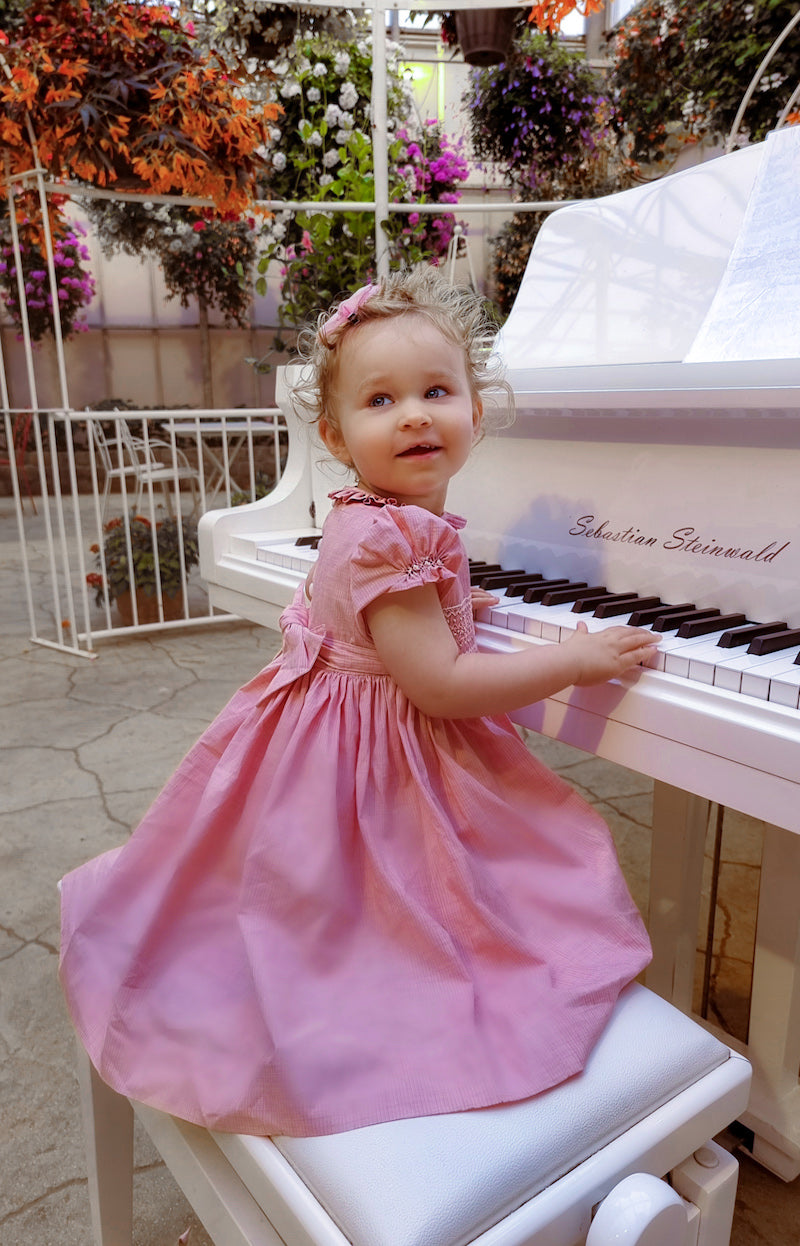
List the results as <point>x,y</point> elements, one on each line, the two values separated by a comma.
<point>404,547</point>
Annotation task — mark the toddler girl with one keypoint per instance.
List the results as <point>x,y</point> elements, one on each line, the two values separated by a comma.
<point>360,898</point>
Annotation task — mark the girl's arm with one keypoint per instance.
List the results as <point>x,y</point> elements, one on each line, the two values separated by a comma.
<point>417,647</point>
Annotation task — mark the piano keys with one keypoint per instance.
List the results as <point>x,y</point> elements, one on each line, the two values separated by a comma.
<point>630,471</point>
<point>766,664</point>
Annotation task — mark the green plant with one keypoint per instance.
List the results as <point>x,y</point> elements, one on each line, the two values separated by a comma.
<point>74,283</point>
<point>537,114</point>
<point>117,90</point>
<point>680,71</point>
<point>602,171</point>
<point>321,149</point>
<point>154,555</point>
<point>201,253</point>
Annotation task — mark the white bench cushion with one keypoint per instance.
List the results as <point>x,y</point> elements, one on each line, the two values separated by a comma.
<point>442,1180</point>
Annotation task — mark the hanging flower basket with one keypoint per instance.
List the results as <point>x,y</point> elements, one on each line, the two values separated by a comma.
<point>271,29</point>
<point>485,35</point>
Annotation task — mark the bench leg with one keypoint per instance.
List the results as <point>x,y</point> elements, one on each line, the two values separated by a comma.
<point>108,1131</point>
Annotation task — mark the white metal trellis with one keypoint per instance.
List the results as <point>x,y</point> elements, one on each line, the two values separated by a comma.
<point>55,544</point>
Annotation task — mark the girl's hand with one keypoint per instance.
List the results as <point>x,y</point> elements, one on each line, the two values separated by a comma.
<point>602,655</point>
<point>480,598</point>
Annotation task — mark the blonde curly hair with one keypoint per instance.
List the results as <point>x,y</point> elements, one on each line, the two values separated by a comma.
<point>458,314</point>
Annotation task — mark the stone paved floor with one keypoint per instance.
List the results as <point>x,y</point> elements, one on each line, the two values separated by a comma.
<point>86,745</point>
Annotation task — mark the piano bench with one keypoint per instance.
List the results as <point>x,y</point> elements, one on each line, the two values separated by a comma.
<point>656,1088</point>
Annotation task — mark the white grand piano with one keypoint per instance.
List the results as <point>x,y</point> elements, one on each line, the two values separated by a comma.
<point>654,353</point>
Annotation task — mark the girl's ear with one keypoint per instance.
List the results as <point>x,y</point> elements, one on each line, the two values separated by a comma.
<point>331,435</point>
<point>477,417</point>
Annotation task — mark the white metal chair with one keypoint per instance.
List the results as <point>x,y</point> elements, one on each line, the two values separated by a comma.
<point>132,457</point>
<point>581,1163</point>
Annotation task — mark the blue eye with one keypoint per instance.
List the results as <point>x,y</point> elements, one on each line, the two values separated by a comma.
<point>436,391</point>
<point>380,400</point>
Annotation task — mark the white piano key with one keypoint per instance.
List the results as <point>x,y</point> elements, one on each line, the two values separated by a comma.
<point>287,554</point>
<point>784,689</point>
<point>682,651</point>
<point>756,683</point>
<point>729,674</point>
<point>704,662</point>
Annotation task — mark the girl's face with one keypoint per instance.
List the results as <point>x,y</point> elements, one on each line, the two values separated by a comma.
<point>405,415</point>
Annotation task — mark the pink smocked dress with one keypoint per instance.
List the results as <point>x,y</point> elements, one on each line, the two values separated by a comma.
<point>340,911</point>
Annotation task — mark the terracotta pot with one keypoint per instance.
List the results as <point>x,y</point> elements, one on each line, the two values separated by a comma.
<point>485,35</point>
<point>147,607</point>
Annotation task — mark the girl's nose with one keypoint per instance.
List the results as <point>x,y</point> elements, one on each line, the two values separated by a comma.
<point>415,415</point>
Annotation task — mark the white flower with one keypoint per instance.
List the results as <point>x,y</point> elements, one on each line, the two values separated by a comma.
<point>348,96</point>
<point>362,47</point>
<point>348,120</point>
<point>325,179</point>
<point>290,89</point>
<point>342,63</point>
<point>333,115</point>
<point>279,231</point>
<point>279,161</point>
<point>330,158</point>
<point>313,95</point>
<point>275,134</point>
<point>342,136</point>
<point>320,70</point>
<point>315,138</point>
<point>304,67</point>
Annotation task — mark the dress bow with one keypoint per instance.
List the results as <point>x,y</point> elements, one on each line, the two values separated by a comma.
<point>301,644</point>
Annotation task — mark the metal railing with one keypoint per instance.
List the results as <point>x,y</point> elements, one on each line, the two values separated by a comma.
<point>106,505</point>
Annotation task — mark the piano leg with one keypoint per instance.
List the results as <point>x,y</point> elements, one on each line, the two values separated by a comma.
<point>774,1038</point>
<point>676,876</point>
<point>773,1047</point>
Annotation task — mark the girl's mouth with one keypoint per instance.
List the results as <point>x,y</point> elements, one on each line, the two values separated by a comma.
<point>418,451</point>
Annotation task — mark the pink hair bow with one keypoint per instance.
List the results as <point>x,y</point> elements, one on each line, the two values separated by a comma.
<point>346,314</point>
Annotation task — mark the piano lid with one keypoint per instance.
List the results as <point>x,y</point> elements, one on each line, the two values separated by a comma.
<point>632,278</point>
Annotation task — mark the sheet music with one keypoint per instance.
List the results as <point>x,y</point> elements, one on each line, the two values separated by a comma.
<point>755,313</point>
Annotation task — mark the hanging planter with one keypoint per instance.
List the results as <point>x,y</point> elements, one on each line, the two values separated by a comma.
<point>485,35</point>
<point>272,28</point>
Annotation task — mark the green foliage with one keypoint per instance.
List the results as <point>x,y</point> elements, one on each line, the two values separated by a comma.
<point>321,149</point>
<point>74,282</point>
<point>201,254</point>
<point>536,114</point>
<point>680,71</point>
<point>149,546</point>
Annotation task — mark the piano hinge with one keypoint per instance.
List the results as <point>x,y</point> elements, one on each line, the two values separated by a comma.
<point>312,510</point>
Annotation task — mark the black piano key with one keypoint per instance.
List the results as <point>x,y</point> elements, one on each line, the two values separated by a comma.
<point>644,618</point>
<point>776,641</point>
<point>584,604</point>
<point>704,627</point>
<point>570,592</point>
<point>746,635</point>
<point>537,591</point>
<point>520,587</point>
<point>669,622</point>
<point>312,541</point>
<point>498,579</point>
<point>610,609</point>
<point>482,569</point>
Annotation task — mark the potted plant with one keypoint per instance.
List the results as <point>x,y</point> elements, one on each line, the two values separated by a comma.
<point>134,557</point>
